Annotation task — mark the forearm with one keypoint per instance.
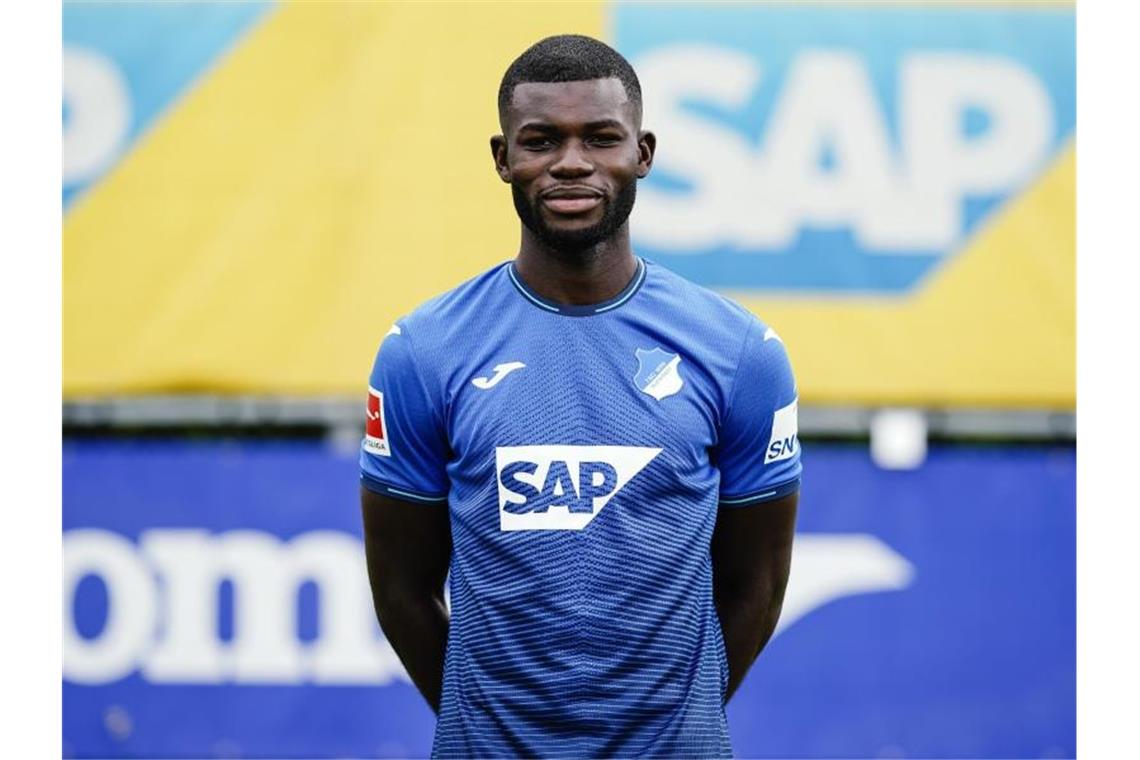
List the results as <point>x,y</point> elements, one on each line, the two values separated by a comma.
<point>407,550</point>
<point>748,621</point>
<point>752,556</point>
<point>416,627</point>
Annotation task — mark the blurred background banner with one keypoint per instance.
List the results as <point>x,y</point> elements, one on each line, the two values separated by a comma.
<point>891,186</point>
<point>254,192</point>
<point>218,606</point>
<point>125,64</point>
<point>321,176</point>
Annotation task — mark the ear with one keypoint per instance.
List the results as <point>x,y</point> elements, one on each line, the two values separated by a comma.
<point>646,146</point>
<point>499,154</point>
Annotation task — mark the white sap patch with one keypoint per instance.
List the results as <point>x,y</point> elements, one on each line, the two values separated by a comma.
<point>785,428</point>
<point>562,487</point>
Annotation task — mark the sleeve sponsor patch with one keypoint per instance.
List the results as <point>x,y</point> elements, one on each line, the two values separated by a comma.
<point>784,442</point>
<point>375,435</point>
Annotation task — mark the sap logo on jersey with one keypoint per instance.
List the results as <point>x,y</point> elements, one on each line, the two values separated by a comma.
<point>785,431</point>
<point>833,149</point>
<point>562,487</point>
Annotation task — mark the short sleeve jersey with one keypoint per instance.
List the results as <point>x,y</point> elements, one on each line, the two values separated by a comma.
<point>582,454</point>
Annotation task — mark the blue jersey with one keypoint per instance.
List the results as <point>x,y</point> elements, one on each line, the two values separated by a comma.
<point>582,453</point>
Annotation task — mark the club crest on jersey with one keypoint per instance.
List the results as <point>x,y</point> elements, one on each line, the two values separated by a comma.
<point>562,487</point>
<point>657,373</point>
<point>375,434</point>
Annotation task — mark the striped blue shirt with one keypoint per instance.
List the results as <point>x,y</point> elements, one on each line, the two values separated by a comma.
<point>582,453</point>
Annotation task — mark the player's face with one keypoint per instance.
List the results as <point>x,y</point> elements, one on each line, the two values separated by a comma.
<point>573,152</point>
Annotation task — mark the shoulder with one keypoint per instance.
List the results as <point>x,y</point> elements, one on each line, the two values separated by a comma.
<point>742,355</point>
<point>697,301</point>
<point>426,342</point>
<point>717,318</point>
<point>438,320</point>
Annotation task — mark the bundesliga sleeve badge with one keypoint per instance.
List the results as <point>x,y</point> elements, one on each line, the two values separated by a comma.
<point>375,436</point>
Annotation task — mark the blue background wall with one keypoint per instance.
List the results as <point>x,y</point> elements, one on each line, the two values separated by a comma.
<point>974,657</point>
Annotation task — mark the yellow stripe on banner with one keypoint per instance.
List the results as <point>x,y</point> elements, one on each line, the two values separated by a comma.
<point>333,172</point>
<point>996,326</point>
<point>330,174</point>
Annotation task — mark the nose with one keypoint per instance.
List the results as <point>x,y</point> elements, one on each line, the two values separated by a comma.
<point>571,161</point>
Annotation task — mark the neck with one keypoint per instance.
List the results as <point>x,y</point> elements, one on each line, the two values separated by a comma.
<point>577,278</point>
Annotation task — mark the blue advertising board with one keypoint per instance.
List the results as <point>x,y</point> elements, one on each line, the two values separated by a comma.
<point>216,605</point>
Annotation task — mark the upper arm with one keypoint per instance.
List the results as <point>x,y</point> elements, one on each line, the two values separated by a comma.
<point>752,543</point>
<point>404,453</point>
<point>408,546</point>
<point>758,452</point>
<point>403,474</point>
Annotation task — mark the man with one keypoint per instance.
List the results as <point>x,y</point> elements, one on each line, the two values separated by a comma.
<point>601,454</point>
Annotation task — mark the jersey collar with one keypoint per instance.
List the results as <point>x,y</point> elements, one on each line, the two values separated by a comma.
<point>586,310</point>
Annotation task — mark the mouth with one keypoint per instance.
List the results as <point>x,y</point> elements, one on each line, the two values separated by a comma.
<point>571,201</point>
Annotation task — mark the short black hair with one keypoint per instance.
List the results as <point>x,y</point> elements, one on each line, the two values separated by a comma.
<point>568,58</point>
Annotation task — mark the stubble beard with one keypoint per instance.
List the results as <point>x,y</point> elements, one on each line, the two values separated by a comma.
<point>581,243</point>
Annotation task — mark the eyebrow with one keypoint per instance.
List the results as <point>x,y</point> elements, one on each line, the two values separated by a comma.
<point>593,126</point>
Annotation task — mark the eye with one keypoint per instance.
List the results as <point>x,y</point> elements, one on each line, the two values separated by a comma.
<point>605,141</point>
<point>538,143</point>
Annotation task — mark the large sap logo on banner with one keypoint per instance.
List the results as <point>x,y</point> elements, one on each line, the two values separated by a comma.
<point>834,149</point>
